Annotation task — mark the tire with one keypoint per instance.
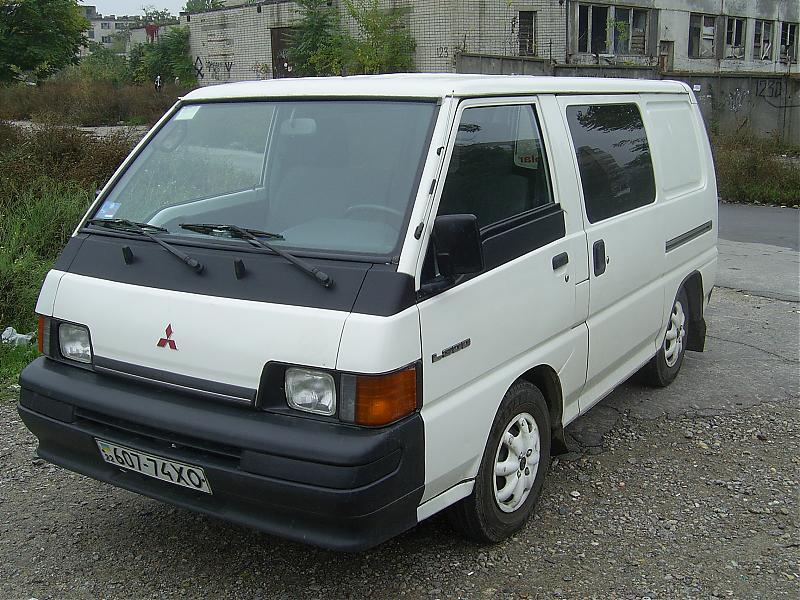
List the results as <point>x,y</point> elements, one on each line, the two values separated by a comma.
<point>483,516</point>
<point>664,366</point>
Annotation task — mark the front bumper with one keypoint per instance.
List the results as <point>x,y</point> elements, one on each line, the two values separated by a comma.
<point>322,483</point>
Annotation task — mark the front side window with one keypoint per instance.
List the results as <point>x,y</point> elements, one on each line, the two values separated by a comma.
<point>325,175</point>
<point>702,31</point>
<point>613,158</point>
<point>762,41</point>
<point>498,169</point>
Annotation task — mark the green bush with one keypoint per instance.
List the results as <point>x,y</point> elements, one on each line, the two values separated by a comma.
<point>48,176</point>
<point>751,168</point>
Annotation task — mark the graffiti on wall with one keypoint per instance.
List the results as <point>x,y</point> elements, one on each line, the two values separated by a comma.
<point>737,99</point>
<point>769,88</point>
<point>213,69</point>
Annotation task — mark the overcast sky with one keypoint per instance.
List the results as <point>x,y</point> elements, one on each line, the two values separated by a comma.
<point>133,7</point>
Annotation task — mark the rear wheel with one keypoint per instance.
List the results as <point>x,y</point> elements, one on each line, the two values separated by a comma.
<point>514,464</point>
<point>664,366</point>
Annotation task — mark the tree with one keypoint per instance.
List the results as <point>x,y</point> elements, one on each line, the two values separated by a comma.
<point>193,6</point>
<point>159,17</point>
<point>315,39</point>
<point>168,57</point>
<point>385,44</point>
<point>39,36</point>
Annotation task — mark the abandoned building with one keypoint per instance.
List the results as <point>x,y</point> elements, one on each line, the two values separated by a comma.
<point>739,56</point>
<point>246,40</point>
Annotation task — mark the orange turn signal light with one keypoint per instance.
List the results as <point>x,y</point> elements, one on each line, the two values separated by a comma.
<point>40,334</point>
<point>382,399</point>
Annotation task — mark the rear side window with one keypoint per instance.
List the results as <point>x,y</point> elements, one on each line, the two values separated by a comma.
<point>613,158</point>
<point>498,169</point>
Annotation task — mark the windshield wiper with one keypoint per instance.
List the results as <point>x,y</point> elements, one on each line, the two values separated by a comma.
<point>212,228</point>
<point>254,235</point>
<point>145,229</point>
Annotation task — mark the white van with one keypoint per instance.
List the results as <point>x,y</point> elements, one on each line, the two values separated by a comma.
<point>331,308</point>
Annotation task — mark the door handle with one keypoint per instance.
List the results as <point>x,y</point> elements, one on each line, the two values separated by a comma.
<point>599,254</point>
<point>560,260</point>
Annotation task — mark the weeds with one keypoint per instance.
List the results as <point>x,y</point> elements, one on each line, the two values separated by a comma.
<point>83,102</point>
<point>13,359</point>
<point>756,169</point>
<point>48,176</point>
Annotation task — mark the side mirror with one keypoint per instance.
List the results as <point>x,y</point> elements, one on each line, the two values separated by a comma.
<point>457,242</point>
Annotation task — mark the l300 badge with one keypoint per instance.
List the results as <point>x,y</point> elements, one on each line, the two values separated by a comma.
<point>451,350</point>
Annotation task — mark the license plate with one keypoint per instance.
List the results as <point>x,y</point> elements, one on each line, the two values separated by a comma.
<point>154,466</point>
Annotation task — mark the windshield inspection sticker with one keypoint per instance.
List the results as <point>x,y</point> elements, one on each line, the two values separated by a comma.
<point>187,113</point>
<point>108,210</point>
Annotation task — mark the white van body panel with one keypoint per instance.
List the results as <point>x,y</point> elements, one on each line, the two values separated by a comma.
<point>463,391</point>
<point>373,344</point>
<point>244,335</point>
<point>47,295</point>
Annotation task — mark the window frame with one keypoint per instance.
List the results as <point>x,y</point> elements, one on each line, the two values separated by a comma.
<point>784,52</point>
<point>731,25</point>
<point>712,37</point>
<point>611,31</point>
<point>758,47</point>
<point>590,100</point>
<point>527,45</point>
<point>493,231</point>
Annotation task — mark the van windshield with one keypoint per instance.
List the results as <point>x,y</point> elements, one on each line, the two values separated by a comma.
<point>325,175</point>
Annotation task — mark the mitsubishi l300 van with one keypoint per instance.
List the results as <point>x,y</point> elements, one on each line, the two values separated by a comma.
<point>331,308</point>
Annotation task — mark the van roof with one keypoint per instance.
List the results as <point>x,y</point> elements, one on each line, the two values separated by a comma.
<point>431,85</point>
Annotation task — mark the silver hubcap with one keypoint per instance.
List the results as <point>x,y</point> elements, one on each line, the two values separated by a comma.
<point>676,333</point>
<point>516,462</point>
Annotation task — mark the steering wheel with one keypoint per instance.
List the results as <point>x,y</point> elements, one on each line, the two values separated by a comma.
<point>373,207</point>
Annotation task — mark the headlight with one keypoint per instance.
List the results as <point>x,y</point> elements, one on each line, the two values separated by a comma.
<point>311,391</point>
<point>74,342</point>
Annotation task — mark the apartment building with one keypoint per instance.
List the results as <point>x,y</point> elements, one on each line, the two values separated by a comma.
<point>105,29</point>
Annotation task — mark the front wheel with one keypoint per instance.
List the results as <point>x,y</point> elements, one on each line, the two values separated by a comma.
<point>512,471</point>
<point>664,366</point>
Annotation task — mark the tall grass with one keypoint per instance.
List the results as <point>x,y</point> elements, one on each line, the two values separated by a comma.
<point>751,168</point>
<point>86,102</point>
<point>47,179</point>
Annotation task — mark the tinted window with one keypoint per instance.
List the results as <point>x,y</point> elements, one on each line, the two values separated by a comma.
<point>613,158</point>
<point>498,169</point>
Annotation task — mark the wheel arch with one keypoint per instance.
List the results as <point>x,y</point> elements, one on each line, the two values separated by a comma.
<point>546,379</point>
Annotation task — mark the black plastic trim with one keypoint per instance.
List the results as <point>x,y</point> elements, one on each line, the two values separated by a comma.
<point>687,237</point>
<point>212,390</point>
<point>336,486</point>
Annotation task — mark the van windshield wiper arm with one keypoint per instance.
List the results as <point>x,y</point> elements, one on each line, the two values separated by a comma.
<point>145,229</point>
<point>255,236</point>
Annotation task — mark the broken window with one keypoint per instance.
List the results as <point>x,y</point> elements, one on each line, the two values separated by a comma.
<point>789,42</point>
<point>105,25</point>
<point>106,39</point>
<point>91,34</point>
<point>702,29</point>
<point>734,38</point>
<point>527,22</point>
<point>616,29</point>
<point>762,41</point>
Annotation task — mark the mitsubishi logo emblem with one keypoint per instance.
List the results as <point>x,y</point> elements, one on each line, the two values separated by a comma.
<point>167,341</point>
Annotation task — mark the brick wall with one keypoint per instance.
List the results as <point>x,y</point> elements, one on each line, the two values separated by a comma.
<point>234,43</point>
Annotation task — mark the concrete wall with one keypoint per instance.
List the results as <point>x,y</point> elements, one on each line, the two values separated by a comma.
<point>767,103</point>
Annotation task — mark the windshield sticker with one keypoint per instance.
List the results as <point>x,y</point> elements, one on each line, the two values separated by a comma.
<point>187,113</point>
<point>108,210</point>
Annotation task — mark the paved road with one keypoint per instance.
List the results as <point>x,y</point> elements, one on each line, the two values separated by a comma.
<point>758,250</point>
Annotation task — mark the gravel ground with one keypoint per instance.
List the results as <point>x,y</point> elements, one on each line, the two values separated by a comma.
<point>699,502</point>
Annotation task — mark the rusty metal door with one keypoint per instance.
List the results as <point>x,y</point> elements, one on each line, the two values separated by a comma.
<point>281,67</point>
